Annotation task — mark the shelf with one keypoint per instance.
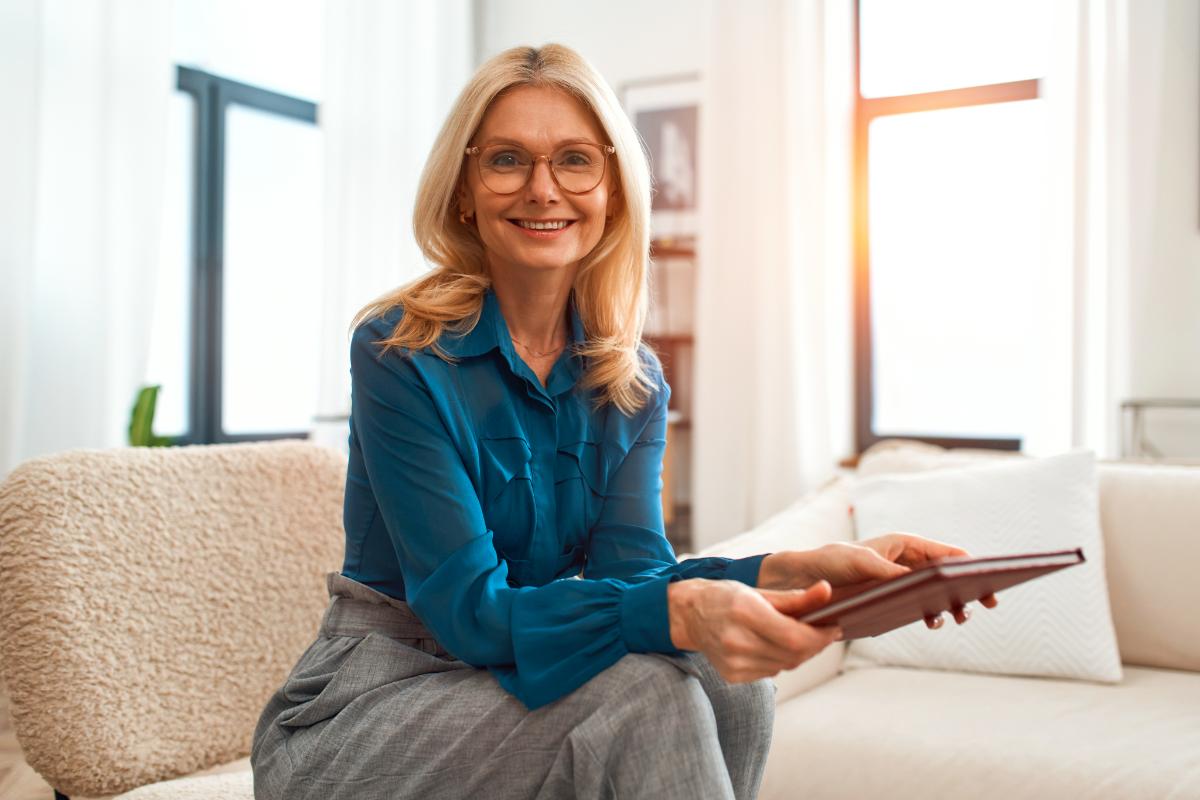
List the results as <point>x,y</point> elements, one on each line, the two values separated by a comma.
<point>668,251</point>
<point>679,530</point>
<point>673,248</point>
<point>679,422</point>
<point>668,339</point>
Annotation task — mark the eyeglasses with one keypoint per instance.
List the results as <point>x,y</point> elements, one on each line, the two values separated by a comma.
<point>577,167</point>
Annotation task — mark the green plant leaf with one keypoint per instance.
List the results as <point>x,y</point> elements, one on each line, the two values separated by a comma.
<point>141,420</point>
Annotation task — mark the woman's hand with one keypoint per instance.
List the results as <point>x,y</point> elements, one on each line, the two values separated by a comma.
<point>844,564</point>
<point>912,551</point>
<point>840,563</point>
<point>747,633</point>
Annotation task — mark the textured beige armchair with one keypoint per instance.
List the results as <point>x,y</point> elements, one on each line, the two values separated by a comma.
<point>151,600</point>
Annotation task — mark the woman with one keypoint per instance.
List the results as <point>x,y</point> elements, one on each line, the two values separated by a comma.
<point>507,433</point>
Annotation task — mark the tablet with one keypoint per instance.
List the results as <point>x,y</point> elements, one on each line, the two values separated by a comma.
<point>875,607</point>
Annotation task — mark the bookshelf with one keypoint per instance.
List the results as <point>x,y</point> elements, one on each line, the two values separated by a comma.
<point>670,331</point>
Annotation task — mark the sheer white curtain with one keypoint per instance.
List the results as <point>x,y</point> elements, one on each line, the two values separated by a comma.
<point>392,72</point>
<point>774,350</point>
<point>1087,89</point>
<point>83,109</point>
<point>1102,216</point>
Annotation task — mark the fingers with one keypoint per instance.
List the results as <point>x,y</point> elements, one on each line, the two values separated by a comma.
<point>740,645</point>
<point>750,665</point>
<point>871,565</point>
<point>749,634</point>
<point>797,602</point>
<point>960,613</point>
<point>910,549</point>
<point>768,631</point>
<point>781,630</point>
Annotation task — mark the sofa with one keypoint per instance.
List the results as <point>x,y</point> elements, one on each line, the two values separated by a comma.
<point>153,598</point>
<point>847,729</point>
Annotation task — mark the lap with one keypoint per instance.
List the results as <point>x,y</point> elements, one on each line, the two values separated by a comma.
<point>375,712</point>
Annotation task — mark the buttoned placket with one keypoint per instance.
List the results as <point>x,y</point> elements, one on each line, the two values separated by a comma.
<point>563,376</point>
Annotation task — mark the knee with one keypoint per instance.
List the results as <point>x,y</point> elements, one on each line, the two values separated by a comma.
<point>749,708</point>
<point>656,686</point>
<point>760,702</point>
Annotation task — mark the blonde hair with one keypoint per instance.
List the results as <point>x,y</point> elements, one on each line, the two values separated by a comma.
<point>612,284</point>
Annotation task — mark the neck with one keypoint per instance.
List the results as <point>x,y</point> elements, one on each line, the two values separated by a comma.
<point>536,315</point>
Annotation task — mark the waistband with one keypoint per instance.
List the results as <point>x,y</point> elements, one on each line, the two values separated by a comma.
<point>356,609</point>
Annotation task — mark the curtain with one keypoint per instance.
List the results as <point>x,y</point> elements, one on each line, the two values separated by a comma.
<point>1102,215</point>
<point>774,352</point>
<point>392,72</point>
<point>84,89</point>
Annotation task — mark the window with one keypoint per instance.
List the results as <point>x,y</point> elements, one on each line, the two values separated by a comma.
<point>254,254</point>
<point>954,288</point>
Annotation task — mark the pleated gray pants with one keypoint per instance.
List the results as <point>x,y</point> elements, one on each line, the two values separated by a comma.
<point>376,708</point>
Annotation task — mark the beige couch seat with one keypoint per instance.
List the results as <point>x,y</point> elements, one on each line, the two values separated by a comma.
<point>895,732</point>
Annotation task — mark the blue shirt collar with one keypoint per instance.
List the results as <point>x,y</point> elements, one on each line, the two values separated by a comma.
<point>491,332</point>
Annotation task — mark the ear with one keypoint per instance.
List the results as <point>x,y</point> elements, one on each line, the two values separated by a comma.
<point>614,201</point>
<point>463,199</point>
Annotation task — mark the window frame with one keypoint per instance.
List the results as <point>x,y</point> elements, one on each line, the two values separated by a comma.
<point>866,110</point>
<point>212,95</point>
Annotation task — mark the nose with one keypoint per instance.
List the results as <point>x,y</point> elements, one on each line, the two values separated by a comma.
<point>541,187</point>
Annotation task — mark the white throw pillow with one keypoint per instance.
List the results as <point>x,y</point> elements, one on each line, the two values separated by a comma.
<point>1058,625</point>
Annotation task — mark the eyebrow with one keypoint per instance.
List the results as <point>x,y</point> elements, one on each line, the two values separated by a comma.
<point>505,140</point>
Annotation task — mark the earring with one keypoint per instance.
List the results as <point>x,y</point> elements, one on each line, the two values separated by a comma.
<point>464,219</point>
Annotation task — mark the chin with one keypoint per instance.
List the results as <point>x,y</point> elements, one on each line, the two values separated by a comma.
<point>541,262</point>
<point>542,266</point>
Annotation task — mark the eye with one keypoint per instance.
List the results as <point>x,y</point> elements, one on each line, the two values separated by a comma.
<point>507,158</point>
<point>574,158</point>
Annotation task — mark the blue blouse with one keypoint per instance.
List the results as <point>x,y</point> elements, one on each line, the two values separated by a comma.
<point>478,495</point>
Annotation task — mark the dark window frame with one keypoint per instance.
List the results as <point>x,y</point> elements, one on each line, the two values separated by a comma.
<point>866,110</point>
<point>213,95</point>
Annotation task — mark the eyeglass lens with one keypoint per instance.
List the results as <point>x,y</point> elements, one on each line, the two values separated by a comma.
<point>505,169</point>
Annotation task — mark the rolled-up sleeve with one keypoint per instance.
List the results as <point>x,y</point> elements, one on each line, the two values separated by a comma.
<point>540,642</point>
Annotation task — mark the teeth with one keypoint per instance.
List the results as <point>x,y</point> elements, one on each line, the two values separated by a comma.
<point>542,226</point>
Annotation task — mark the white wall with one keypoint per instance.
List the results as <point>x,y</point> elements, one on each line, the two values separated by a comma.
<point>624,39</point>
<point>1164,311</point>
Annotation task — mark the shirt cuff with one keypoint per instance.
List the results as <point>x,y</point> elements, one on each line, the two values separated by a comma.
<point>645,622</point>
<point>745,569</point>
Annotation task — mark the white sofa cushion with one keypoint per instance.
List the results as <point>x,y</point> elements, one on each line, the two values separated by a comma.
<point>1149,517</point>
<point>815,520</point>
<point>907,455</point>
<point>1057,625</point>
<point>901,733</point>
<point>1151,520</point>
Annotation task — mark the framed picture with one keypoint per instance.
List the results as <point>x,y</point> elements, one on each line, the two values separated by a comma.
<point>666,113</point>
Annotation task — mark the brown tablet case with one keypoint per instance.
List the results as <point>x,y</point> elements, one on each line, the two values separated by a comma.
<point>875,607</point>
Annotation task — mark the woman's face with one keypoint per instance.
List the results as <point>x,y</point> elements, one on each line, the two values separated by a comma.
<point>539,119</point>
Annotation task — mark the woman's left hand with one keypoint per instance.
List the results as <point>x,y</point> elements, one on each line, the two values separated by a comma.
<point>843,564</point>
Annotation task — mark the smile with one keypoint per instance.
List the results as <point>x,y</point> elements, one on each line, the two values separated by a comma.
<point>542,229</point>
<point>542,225</point>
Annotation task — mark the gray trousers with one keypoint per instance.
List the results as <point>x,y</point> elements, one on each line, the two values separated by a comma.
<point>376,708</point>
